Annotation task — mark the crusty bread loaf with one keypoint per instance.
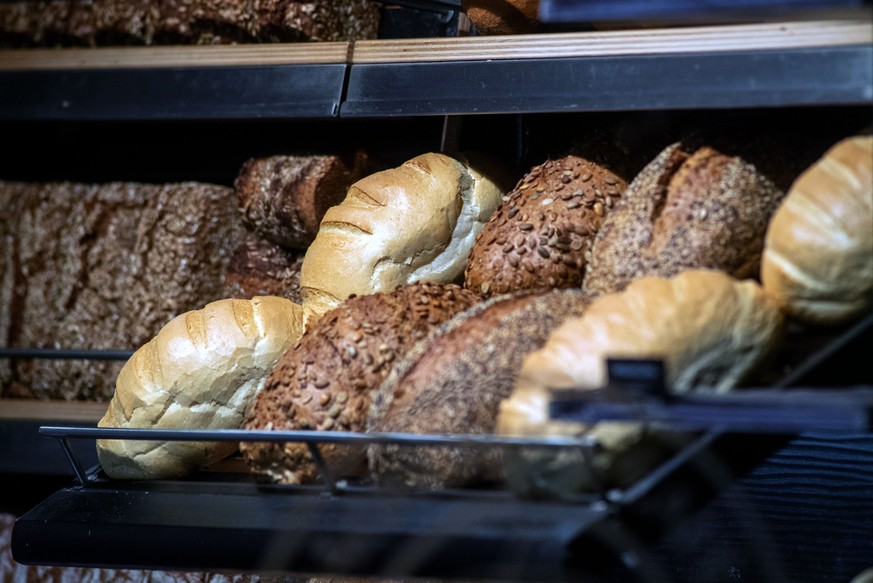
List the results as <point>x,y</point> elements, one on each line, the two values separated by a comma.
<point>25,23</point>
<point>325,381</point>
<point>541,235</point>
<point>104,266</point>
<point>818,253</point>
<point>453,381</point>
<point>261,268</point>
<point>492,17</point>
<point>283,198</point>
<point>711,330</point>
<point>201,371</point>
<point>416,222</point>
<point>685,211</point>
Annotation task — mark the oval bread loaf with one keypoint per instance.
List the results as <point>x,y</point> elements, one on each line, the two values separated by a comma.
<point>416,222</point>
<point>711,330</point>
<point>325,381</point>
<point>541,235</point>
<point>453,381</point>
<point>201,371</point>
<point>818,253</point>
<point>685,210</point>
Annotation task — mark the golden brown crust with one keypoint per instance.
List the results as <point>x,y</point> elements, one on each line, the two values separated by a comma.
<point>416,222</point>
<point>711,330</point>
<point>325,381</point>
<point>700,210</point>
<point>818,256</point>
<point>454,381</point>
<point>540,237</point>
<point>492,17</point>
<point>201,371</point>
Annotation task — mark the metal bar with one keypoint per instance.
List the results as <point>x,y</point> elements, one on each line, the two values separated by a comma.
<point>329,480</point>
<point>346,437</point>
<point>74,461</point>
<point>429,5</point>
<point>66,353</point>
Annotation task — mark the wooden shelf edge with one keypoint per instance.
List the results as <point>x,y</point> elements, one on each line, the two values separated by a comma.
<point>36,410</point>
<point>646,41</point>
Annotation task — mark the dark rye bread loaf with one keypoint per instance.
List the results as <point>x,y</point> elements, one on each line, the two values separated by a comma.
<point>29,23</point>
<point>685,210</point>
<point>283,198</point>
<point>325,382</point>
<point>454,381</point>
<point>103,266</point>
<point>540,237</point>
<point>260,268</point>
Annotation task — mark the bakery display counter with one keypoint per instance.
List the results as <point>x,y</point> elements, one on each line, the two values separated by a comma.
<point>804,431</point>
<point>726,66</point>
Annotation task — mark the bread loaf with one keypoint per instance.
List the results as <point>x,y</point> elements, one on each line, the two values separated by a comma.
<point>25,23</point>
<point>104,267</point>
<point>711,331</point>
<point>416,222</point>
<point>453,382</point>
<point>818,253</point>
<point>283,198</point>
<point>326,380</point>
<point>491,17</point>
<point>260,268</point>
<point>685,210</point>
<point>201,371</point>
<point>541,235</point>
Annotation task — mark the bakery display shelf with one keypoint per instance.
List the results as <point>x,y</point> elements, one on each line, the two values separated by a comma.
<point>225,518</point>
<point>727,66</point>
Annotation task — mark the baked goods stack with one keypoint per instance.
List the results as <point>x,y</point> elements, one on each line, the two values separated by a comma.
<point>437,298</point>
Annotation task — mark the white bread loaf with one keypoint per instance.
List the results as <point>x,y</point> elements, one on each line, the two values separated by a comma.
<point>818,253</point>
<point>201,371</point>
<point>711,330</point>
<point>416,222</point>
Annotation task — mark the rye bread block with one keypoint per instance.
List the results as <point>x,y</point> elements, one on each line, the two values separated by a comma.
<point>325,382</point>
<point>685,210</point>
<point>260,268</point>
<point>454,381</point>
<point>541,236</point>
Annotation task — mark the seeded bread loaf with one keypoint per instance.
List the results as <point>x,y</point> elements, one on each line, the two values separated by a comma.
<point>104,266</point>
<point>326,380</point>
<point>283,198</point>
<point>453,382</point>
<point>818,254</point>
<point>201,371</point>
<point>685,210</point>
<point>540,237</point>
<point>27,23</point>
<point>416,222</point>
<point>711,330</point>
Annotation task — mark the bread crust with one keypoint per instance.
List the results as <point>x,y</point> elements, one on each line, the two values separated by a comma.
<point>454,381</point>
<point>541,236</point>
<point>818,254</point>
<point>416,222</point>
<point>685,210</point>
<point>326,381</point>
<point>201,371</point>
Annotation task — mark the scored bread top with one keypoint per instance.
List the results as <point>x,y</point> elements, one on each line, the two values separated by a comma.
<point>415,222</point>
<point>201,371</point>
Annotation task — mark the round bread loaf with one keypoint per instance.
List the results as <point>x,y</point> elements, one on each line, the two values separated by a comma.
<point>540,237</point>
<point>283,198</point>
<point>453,382</point>
<point>700,210</point>
<point>201,371</point>
<point>818,253</point>
<point>416,222</point>
<point>711,330</point>
<point>326,380</point>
